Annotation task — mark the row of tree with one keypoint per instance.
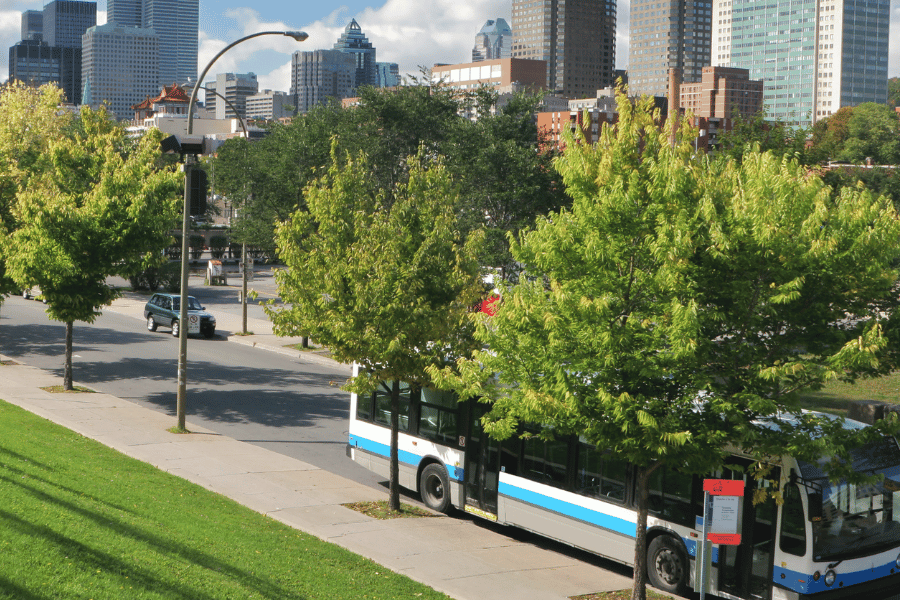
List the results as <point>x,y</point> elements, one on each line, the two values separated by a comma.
<point>671,305</point>
<point>79,201</point>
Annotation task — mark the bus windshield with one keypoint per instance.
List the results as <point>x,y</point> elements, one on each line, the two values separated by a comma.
<point>858,520</point>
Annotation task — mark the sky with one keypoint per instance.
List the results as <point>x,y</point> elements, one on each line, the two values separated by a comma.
<point>412,33</point>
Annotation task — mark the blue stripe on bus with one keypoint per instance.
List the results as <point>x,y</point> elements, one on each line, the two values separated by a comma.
<point>569,509</point>
<point>409,458</point>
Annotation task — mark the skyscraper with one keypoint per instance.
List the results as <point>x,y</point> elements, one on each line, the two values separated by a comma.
<point>320,75</point>
<point>236,87</point>
<point>576,38</point>
<point>667,36</point>
<point>33,25</point>
<point>121,67</point>
<point>814,56</point>
<point>127,13</point>
<point>64,22</point>
<point>354,42</point>
<point>176,22</point>
<point>493,41</point>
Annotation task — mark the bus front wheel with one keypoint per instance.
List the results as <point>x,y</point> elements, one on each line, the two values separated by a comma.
<point>667,566</point>
<point>434,487</point>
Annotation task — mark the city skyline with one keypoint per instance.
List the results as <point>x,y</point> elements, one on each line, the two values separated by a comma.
<point>403,31</point>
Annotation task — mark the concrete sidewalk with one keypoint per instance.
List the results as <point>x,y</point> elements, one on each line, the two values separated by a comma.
<point>455,555</point>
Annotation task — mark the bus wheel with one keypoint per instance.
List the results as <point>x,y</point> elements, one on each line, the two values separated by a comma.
<point>667,567</point>
<point>434,487</point>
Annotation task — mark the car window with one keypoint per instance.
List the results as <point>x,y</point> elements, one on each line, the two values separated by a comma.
<point>193,304</point>
<point>174,304</point>
<point>154,301</point>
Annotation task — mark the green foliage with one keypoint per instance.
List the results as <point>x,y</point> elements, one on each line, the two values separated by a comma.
<point>217,245</point>
<point>165,275</point>
<point>196,243</point>
<point>769,136</point>
<point>504,180</point>
<point>680,303</point>
<point>873,132</point>
<point>94,206</point>
<point>382,278</point>
<point>894,92</point>
<point>29,120</point>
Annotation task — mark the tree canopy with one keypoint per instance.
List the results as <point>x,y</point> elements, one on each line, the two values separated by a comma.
<point>505,178</point>
<point>681,303</point>
<point>93,204</point>
<point>383,278</point>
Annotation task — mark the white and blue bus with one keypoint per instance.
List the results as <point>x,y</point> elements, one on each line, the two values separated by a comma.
<point>825,542</point>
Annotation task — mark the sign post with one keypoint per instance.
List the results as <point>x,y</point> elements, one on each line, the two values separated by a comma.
<point>721,522</point>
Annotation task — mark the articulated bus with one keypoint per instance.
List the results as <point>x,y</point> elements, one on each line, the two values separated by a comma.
<point>825,542</point>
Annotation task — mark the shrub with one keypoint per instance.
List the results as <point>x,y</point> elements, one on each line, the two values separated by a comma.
<point>196,244</point>
<point>217,246</point>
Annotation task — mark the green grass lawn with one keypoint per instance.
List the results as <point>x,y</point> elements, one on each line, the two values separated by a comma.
<point>78,520</point>
<point>835,397</point>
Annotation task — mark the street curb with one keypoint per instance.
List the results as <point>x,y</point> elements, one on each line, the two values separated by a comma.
<point>308,356</point>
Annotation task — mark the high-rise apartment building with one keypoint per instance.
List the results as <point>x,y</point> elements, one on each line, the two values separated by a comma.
<point>355,43</point>
<point>320,75</point>
<point>121,67</point>
<point>576,38</point>
<point>236,88</point>
<point>493,41</point>
<point>814,56</point>
<point>32,25</point>
<point>176,22</point>
<point>667,36</point>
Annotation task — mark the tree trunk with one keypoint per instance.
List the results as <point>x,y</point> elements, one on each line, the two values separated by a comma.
<point>394,494</point>
<point>67,377</point>
<point>639,590</point>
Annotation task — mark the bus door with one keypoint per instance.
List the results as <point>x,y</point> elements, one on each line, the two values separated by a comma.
<point>482,467</point>
<point>746,570</point>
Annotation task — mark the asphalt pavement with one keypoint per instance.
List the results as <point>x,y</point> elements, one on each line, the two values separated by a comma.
<point>459,555</point>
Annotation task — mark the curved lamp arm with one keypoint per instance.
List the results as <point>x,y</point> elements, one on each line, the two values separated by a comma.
<point>297,35</point>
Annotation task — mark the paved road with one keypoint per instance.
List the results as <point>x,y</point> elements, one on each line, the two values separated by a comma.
<point>275,401</point>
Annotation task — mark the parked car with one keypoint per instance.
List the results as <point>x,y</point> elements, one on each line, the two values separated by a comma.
<point>165,310</point>
<point>35,293</point>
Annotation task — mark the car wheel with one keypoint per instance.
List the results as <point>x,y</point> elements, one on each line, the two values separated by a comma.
<point>667,566</point>
<point>151,323</point>
<point>434,487</point>
<point>174,328</point>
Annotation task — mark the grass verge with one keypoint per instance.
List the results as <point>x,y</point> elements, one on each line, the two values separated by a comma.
<point>78,520</point>
<point>836,396</point>
<point>76,389</point>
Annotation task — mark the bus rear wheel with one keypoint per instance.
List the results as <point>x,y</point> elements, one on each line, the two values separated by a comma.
<point>667,567</point>
<point>434,487</point>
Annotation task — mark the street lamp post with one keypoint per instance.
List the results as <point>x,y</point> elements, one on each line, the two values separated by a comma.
<point>186,220</point>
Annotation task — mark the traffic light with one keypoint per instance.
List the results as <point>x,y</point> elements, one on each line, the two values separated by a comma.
<point>198,192</point>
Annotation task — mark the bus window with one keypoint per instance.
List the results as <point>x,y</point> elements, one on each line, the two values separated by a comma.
<point>364,407</point>
<point>793,525</point>
<point>598,475</point>
<point>438,420</point>
<point>671,495</point>
<point>545,461</point>
<point>383,404</point>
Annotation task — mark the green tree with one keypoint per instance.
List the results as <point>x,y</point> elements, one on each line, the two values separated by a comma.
<point>894,92</point>
<point>830,134</point>
<point>96,205</point>
<point>680,303</point>
<point>382,277</point>
<point>29,120</point>
<point>771,136</point>
<point>873,132</point>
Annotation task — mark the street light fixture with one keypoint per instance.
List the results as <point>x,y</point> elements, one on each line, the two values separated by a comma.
<point>186,224</point>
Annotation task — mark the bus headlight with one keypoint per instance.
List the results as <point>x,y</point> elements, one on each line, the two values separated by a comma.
<point>830,576</point>
<point>898,561</point>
